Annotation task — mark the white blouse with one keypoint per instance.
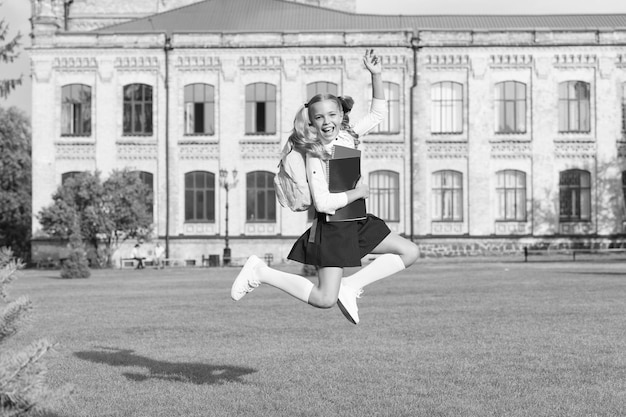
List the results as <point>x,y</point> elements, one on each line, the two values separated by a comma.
<point>323,199</point>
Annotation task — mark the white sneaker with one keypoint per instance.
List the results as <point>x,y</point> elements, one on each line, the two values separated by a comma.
<point>246,280</point>
<point>347,302</point>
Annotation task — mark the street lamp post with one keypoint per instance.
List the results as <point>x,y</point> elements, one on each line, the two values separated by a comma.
<point>227,184</point>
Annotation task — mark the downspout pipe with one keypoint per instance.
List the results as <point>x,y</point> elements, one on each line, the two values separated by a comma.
<point>167,47</point>
<point>66,14</point>
<point>415,47</point>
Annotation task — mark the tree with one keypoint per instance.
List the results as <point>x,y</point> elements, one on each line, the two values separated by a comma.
<point>8,54</point>
<point>15,181</point>
<point>108,212</point>
<point>23,389</point>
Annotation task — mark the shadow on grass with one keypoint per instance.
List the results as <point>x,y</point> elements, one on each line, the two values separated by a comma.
<point>193,372</point>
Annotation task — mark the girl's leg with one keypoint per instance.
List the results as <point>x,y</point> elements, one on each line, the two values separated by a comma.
<point>397,254</point>
<point>255,272</point>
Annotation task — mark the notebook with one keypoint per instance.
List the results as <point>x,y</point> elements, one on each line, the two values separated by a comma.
<point>344,171</point>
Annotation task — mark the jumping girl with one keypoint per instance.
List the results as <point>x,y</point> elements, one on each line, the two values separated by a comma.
<point>319,125</point>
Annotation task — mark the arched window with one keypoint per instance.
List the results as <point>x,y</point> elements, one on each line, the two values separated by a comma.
<point>76,110</point>
<point>137,110</point>
<point>260,108</point>
<point>70,174</point>
<point>384,200</point>
<point>391,124</point>
<point>199,197</point>
<point>148,179</point>
<point>510,107</point>
<point>260,197</point>
<point>574,107</point>
<point>447,196</point>
<point>199,109</point>
<point>511,195</point>
<point>447,107</point>
<point>320,87</point>
<point>575,195</point>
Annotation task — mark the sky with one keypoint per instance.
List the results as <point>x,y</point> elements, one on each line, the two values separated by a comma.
<point>17,12</point>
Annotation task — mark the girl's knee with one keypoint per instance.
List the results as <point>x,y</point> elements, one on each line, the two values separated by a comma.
<point>410,254</point>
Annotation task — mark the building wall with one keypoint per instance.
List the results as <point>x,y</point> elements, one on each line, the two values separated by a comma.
<point>230,62</point>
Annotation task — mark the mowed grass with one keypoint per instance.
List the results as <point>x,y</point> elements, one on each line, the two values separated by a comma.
<point>443,338</point>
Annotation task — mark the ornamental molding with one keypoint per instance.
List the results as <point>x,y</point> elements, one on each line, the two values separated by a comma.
<point>575,60</point>
<point>136,150</point>
<point>198,62</point>
<point>259,150</point>
<point>137,62</point>
<point>75,150</point>
<point>256,62</point>
<point>198,150</point>
<point>315,62</point>
<point>446,61</point>
<point>511,150</point>
<point>384,150</point>
<point>398,62</point>
<point>446,150</point>
<point>575,149</point>
<point>75,63</point>
<point>511,60</point>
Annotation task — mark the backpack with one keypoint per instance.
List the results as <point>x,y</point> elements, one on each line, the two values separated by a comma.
<point>290,183</point>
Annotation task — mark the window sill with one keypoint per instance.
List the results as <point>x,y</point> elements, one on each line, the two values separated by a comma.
<point>199,221</point>
<point>75,136</point>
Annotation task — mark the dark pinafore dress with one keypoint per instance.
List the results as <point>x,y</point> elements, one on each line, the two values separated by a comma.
<point>339,244</point>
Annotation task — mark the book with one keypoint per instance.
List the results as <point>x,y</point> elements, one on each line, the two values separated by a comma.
<point>343,174</point>
<point>341,152</point>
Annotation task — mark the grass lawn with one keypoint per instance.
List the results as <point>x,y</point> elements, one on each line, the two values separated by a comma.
<point>443,338</point>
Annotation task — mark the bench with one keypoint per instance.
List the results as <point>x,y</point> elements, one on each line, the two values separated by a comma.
<point>211,260</point>
<point>132,262</point>
<point>569,251</point>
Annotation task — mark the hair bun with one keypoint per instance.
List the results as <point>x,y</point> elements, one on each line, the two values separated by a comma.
<point>346,103</point>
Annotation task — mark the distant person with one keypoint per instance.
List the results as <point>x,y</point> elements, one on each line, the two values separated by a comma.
<point>159,256</point>
<point>138,256</point>
<point>319,125</point>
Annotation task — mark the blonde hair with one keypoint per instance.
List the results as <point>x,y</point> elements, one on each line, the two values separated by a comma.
<point>304,137</point>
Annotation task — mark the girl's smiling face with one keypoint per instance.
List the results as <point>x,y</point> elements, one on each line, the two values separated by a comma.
<point>326,118</point>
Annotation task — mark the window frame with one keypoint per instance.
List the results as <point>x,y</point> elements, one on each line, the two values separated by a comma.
<point>441,193</point>
<point>503,196</point>
<point>503,103</point>
<point>208,109</point>
<point>388,192</point>
<point>447,108</point>
<point>318,88</point>
<point>146,127</point>
<point>574,195</point>
<point>70,120</point>
<point>208,192</point>
<point>253,191</point>
<point>268,99</point>
<point>570,108</point>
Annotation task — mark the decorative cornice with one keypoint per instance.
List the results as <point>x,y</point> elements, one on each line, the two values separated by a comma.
<point>447,61</point>
<point>511,60</point>
<point>511,149</point>
<point>75,150</point>
<point>386,150</point>
<point>250,149</point>
<point>198,62</point>
<point>446,150</point>
<point>313,62</point>
<point>575,60</point>
<point>574,149</point>
<point>257,62</point>
<point>199,150</point>
<point>136,150</point>
<point>79,63</point>
<point>135,62</point>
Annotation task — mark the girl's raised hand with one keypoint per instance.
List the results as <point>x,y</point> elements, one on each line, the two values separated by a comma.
<point>372,62</point>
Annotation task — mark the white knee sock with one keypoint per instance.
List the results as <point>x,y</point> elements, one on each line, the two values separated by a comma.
<point>294,285</point>
<point>381,267</point>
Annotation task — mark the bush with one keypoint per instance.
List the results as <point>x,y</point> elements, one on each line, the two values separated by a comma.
<point>76,264</point>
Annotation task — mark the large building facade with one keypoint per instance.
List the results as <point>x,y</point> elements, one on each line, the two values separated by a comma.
<point>502,130</point>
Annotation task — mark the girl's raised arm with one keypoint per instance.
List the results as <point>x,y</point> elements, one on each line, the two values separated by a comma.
<point>374,66</point>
